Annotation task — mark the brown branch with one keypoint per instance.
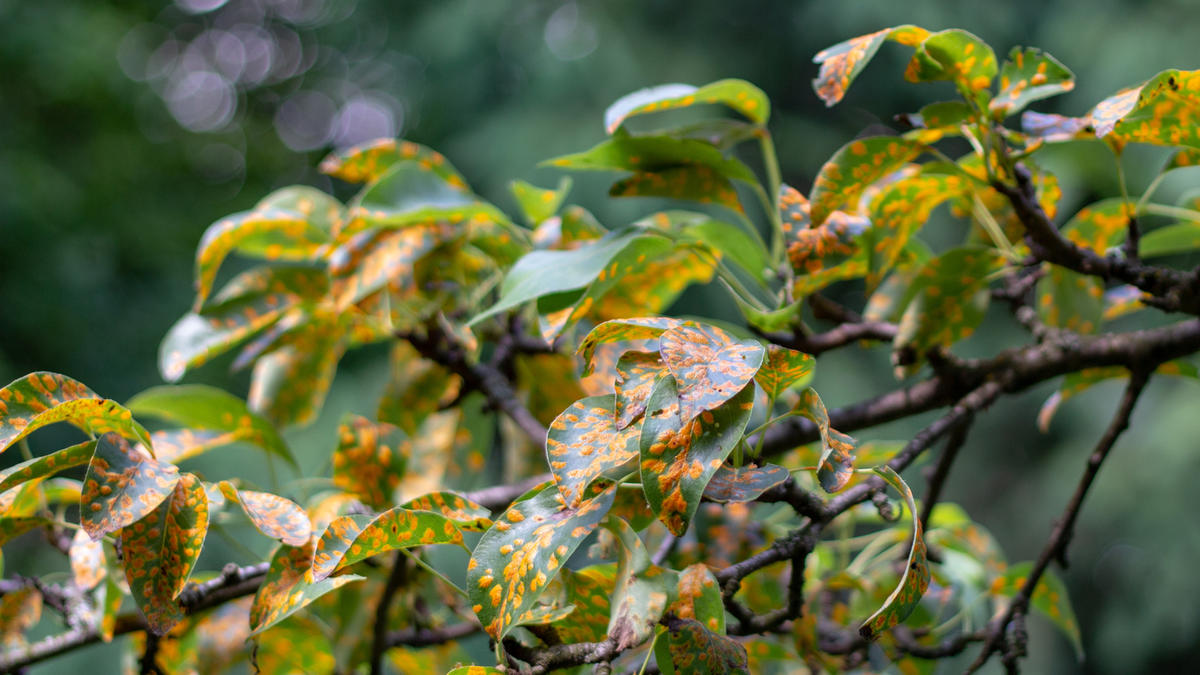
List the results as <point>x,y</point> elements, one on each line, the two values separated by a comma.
<point>1055,548</point>
<point>937,479</point>
<point>834,338</point>
<point>424,637</point>
<point>545,659</point>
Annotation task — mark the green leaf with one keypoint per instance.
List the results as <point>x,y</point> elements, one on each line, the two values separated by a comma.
<point>274,516</point>
<point>695,650</point>
<point>464,513</point>
<point>122,486</point>
<point>350,539</point>
<point>476,670</point>
<point>10,528</point>
<point>584,443</point>
<point>730,241</point>
<point>836,463</point>
<point>409,194</point>
<point>88,567</point>
<point>915,579</point>
<point>1070,300</point>
<point>249,303</point>
<point>950,302</point>
<point>204,408</point>
<point>623,330</point>
<point>636,374</point>
<point>160,550</point>
<point>521,553</point>
<point>20,611</point>
<point>287,587</point>
<point>841,63</point>
<point>270,233</point>
<point>39,467</point>
<point>370,459</point>
<point>542,273</point>
<point>900,211</point>
<point>1163,112</point>
<point>40,399</point>
<point>289,384</point>
<point>744,484</point>
<point>784,369</point>
<point>369,161</point>
<point>655,155</point>
<point>536,203</point>
<point>1049,599</point>
<point>698,597</point>
<point>642,591</point>
<point>588,590</point>
<point>954,55</point>
<point>1170,240</point>
<point>853,167</point>
<point>681,453</point>
<point>743,97</point>
<point>708,365</point>
<point>1100,225</point>
<point>1029,75</point>
<point>698,184</point>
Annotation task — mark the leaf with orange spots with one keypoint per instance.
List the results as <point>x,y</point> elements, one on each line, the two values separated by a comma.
<point>515,560</point>
<point>699,598</point>
<point>160,550</point>
<point>584,444</point>
<point>679,454</point>
<point>643,329</point>
<point>350,539</point>
<point>1049,599</point>
<point>287,586</point>
<point>655,155</point>
<point>1070,300</point>
<point>208,409</point>
<point>464,513</point>
<point>88,567</point>
<point>1163,112</point>
<point>289,383</point>
<point>835,466</point>
<point>39,399</point>
<point>842,62</point>
<point>1029,75</point>
<point>709,366</point>
<point>385,257</point>
<point>699,184</point>
<point>636,374</point>
<point>369,161</point>
<point>900,211</point>
<point>250,302</point>
<point>295,646</point>
<point>1100,225</point>
<point>744,484</point>
<point>569,230</point>
<point>695,650</point>
<point>370,460</point>
<point>852,168</point>
<point>538,204</point>
<point>743,97</point>
<point>264,232</point>
<point>914,581</point>
<point>1122,300</point>
<point>562,278</point>
<point>820,255</point>
<point>950,301</point>
<point>476,670</point>
<point>651,287</point>
<point>784,369</point>
<point>40,467</point>
<point>274,516</point>
<point>642,591</point>
<point>20,611</point>
<point>958,56</point>
<point>589,590</point>
<point>1082,380</point>
<point>12,527</point>
<point>123,484</point>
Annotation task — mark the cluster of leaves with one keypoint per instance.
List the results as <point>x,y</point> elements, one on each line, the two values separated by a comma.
<point>656,425</point>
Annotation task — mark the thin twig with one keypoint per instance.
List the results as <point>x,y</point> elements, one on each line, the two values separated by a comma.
<point>937,479</point>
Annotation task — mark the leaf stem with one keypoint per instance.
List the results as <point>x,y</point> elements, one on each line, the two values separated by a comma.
<point>775,182</point>
<point>1170,211</point>
<point>424,565</point>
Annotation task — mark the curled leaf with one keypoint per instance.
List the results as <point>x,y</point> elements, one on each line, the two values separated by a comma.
<point>914,580</point>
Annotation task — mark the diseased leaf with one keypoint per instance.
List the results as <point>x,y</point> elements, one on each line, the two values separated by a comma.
<point>1052,128</point>
<point>954,55</point>
<point>476,670</point>
<point>900,211</point>
<point>655,155</point>
<point>40,467</point>
<point>160,550</point>
<point>741,96</point>
<point>521,553</point>
<point>289,384</point>
<point>1100,225</point>
<point>205,408</point>
<point>680,454</point>
<point>708,365</point>
<point>536,203</point>
<point>368,161</point>
<point>855,166</point>
<point>386,257</point>
<point>1029,75</point>
<point>350,539</point>
<point>651,287</point>
<point>571,229</point>
<point>784,369</point>
<point>699,184</point>
<point>1070,300</point>
<point>914,581</point>
<point>274,516</point>
<point>88,568</point>
<point>249,303</point>
<point>589,590</point>
<point>286,587</point>
<point>122,486</point>
<point>744,484</point>
<point>824,250</point>
<point>1162,112</point>
<point>699,598</point>
<point>841,63</point>
<point>416,388</point>
<point>624,330</point>
<point>642,590</point>
<point>1122,300</point>
<point>636,374</point>
<point>295,646</point>
<point>464,513</point>
<point>370,460</point>
<point>1049,599</point>
<point>20,611</point>
<point>39,399</point>
<point>12,527</point>
<point>584,444</point>
<point>695,650</point>
<point>836,464</point>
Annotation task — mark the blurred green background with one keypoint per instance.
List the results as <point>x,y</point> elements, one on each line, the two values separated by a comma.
<point>127,127</point>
